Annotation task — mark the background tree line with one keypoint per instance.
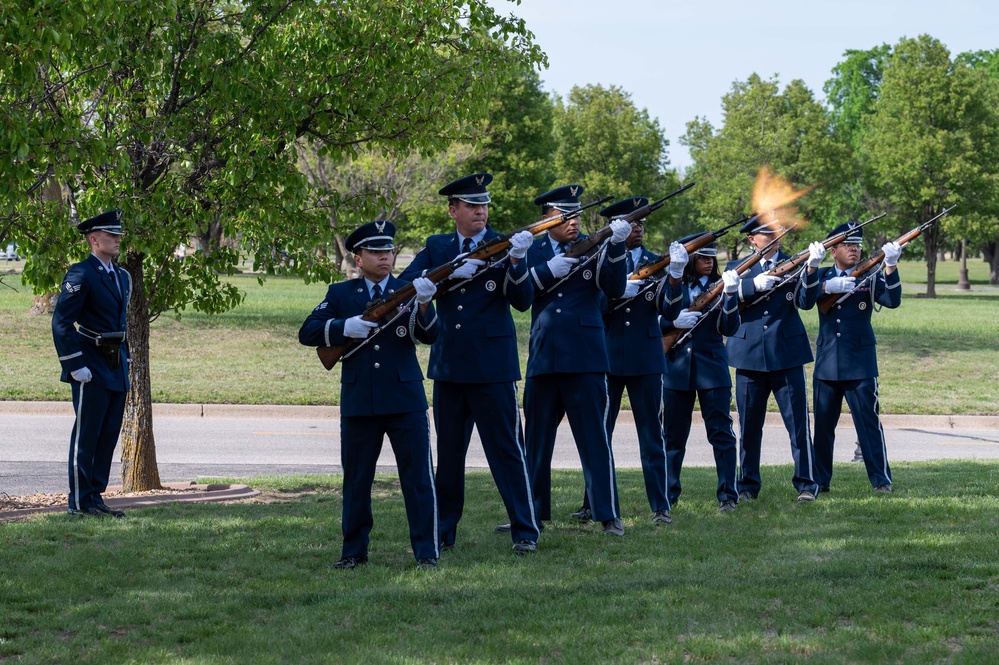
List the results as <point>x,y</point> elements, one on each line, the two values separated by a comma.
<point>287,124</point>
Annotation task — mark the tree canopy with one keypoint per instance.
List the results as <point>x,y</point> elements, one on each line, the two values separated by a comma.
<point>186,114</point>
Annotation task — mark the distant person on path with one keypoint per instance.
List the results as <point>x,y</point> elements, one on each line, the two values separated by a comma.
<point>381,392</point>
<point>847,363</point>
<point>88,328</point>
<point>475,362</point>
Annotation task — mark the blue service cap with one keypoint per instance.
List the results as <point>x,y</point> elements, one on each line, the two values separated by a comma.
<point>565,198</point>
<point>711,249</point>
<point>624,207</point>
<point>757,224</point>
<point>471,188</point>
<point>854,232</point>
<point>109,221</point>
<point>376,235</point>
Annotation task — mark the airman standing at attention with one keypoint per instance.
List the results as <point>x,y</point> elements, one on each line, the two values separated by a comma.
<point>88,327</point>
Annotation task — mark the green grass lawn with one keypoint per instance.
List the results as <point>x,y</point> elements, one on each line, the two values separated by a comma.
<point>936,356</point>
<point>855,577</point>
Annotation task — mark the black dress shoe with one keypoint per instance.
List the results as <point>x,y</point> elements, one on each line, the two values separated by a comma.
<point>502,528</point>
<point>427,563</point>
<point>349,562</point>
<point>104,508</point>
<point>525,546</point>
<point>87,512</point>
<point>584,514</point>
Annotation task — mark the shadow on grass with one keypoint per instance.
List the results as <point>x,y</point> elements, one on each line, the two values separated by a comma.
<point>854,576</point>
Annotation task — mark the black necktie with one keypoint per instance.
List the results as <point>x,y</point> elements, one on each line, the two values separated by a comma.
<point>114,279</point>
<point>630,262</point>
<point>767,265</point>
<point>562,247</point>
<point>466,246</point>
<point>376,292</point>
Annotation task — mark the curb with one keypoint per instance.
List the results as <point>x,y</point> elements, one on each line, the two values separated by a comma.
<point>279,411</point>
<point>205,494</point>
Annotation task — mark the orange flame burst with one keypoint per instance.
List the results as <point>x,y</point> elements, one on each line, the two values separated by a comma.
<point>773,195</point>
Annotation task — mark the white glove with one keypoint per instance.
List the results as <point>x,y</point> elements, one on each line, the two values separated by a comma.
<point>466,269</point>
<point>520,243</point>
<point>764,282</point>
<point>357,327</point>
<point>632,286</point>
<point>677,259</point>
<point>425,290</point>
<point>82,375</point>
<point>892,251</point>
<point>731,280</point>
<point>816,252</point>
<point>620,230</point>
<point>840,284</point>
<point>686,319</point>
<point>560,265</point>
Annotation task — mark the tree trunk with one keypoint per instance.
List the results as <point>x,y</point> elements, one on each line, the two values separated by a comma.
<point>932,241</point>
<point>44,304</point>
<point>991,253</point>
<point>138,448</point>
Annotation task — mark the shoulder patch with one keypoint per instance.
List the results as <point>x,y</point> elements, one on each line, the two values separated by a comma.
<point>69,287</point>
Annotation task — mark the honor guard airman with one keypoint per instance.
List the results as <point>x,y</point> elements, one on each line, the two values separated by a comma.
<point>381,392</point>
<point>769,351</point>
<point>89,330</point>
<point>846,363</point>
<point>475,362</point>
<point>635,353</point>
<point>697,367</point>
<point>567,364</point>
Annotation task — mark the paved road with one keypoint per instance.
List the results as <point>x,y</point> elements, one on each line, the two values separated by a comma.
<point>195,441</point>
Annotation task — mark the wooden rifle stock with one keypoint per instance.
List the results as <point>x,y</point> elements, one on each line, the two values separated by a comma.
<point>376,311</point>
<point>702,301</point>
<point>580,248</point>
<point>827,301</point>
<point>790,264</point>
<point>650,269</point>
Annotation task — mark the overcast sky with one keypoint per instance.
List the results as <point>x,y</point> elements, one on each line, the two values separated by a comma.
<point>677,59</point>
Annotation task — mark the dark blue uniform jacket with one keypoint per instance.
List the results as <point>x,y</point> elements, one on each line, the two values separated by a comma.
<point>383,376</point>
<point>478,340</point>
<point>90,299</point>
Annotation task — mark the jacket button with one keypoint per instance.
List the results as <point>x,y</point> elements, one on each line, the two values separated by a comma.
<point>460,308</point>
<point>765,312</point>
<point>839,307</point>
<point>688,349</point>
<point>560,294</point>
<point>765,327</point>
<point>377,348</point>
<point>627,323</point>
<point>462,291</point>
<point>377,365</point>
<point>838,321</point>
<point>627,310</point>
<point>558,311</point>
<point>837,334</point>
<point>457,326</point>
